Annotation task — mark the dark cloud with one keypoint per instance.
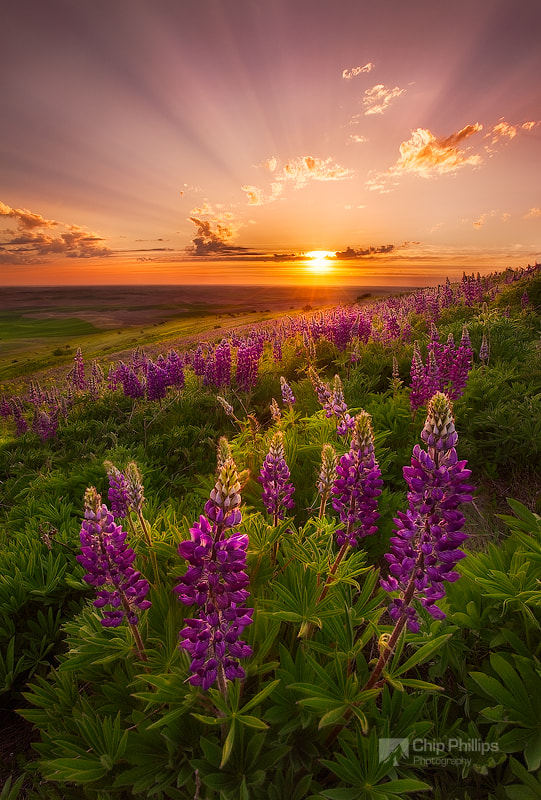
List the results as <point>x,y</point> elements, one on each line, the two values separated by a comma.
<point>33,241</point>
<point>349,253</point>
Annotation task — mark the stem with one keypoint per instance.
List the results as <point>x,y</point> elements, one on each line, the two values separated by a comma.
<point>332,571</point>
<point>139,646</point>
<point>398,628</point>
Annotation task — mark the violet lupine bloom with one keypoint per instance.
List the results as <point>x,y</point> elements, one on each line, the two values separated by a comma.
<point>425,548</point>
<point>288,398</point>
<point>525,300</point>
<point>109,564</point>
<point>274,477</point>
<point>357,485</point>
<point>418,379</point>
<point>484,350</point>
<point>119,492</point>
<point>327,475</point>
<point>216,581</point>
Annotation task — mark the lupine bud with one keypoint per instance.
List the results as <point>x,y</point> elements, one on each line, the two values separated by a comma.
<point>227,407</point>
<point>135,487</point>
<point>276,414</point>
<point>483,350</point>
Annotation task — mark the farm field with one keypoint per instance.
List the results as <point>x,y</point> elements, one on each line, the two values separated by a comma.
<point>278,545</point>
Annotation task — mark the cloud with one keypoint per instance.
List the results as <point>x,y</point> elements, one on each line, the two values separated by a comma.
<point>33,240</point>
<point>377,99</point>
<point>533,213</point>
<point>350,253</point>
<point>26,219</point>
<point>502,216</point>
<point>298,173</point>
<point>426,156</point>
<point>354,137</point>
<point>504,131</point>
<point>347,74</point>
<point>215,231</point>
<point>255,195</point>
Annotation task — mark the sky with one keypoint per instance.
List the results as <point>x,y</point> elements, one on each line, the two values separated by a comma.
<point>268,141</point>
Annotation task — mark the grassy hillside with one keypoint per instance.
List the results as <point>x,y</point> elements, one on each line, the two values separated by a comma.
<point>325,566</point>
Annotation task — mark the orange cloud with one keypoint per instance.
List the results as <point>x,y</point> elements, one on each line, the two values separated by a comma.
<point>533,213</point>
<point>351,73</point>
<point>214,233</point>
<point>377,99</point>
<point>426,156</point>
<point>296,173</point>
<point>32,242</point>
<point>26,219</point>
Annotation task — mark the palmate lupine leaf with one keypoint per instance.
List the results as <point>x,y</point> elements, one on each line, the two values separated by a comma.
<point>362,770</point>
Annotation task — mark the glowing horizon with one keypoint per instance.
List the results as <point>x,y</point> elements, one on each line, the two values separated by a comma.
<point>373,150</point>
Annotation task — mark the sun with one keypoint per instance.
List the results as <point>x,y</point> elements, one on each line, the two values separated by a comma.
<point>319,261</point>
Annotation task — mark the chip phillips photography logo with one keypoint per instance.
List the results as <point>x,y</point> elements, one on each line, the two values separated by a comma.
<point>423,752</point>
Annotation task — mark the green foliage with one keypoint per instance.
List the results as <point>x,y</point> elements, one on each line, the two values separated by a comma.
<point>302,725</point>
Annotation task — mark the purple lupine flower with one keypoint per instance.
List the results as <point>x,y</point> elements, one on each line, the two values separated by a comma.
<point>276,414</point>
<point>461,366</point>
<point>288,397</point>
<point>134,480</point>
<point>418,379</point>
<point>119,492</point>
<point>274,477</point>
<point>216,581</point>
<point>6,409</point>
<point>425,548</point>
<point>484,349</point>
<point>357,485</point>
<point>327,475</point>
<point>175,369</point>
<point>525,300</point>
<point>44,424</point>
<point>76,375</point>
<point>157,381</point>
<point>108,561</point>
<point>321,389</point>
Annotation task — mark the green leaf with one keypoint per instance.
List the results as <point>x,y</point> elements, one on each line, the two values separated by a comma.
<point>341,794</point>
<point>252,722</point>
<point>228,745</point>
<point>260,696</point>
<point>422,654</point>
<point>532,751</point>
<point>332,717</point>
<point>78,770</point>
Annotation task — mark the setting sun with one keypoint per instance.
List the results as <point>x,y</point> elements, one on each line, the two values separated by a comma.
<point>318,261</point>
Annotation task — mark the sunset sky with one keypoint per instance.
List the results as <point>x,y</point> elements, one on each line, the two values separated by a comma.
<point>268,141</point>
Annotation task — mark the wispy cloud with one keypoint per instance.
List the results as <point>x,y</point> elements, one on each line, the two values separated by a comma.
<point>297,174</point>
<point>505,132</point>
<point>350,253</point>
<point>533,213</point>
<point>32,241</point>
<point>425,155</point>
<point>348,74</point>
<point>357,139</point>
<point>501,216</point>
<point>378,99</point>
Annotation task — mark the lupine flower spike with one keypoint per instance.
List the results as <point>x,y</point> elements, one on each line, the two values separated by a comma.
<point>327,475</point>
<point>274,477</point>
<point>136,498</point>
<point>288,397</point>
<point>357,485</point>
<point>216,581</point>
<point>109,564</point>
<point>425,548</point>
